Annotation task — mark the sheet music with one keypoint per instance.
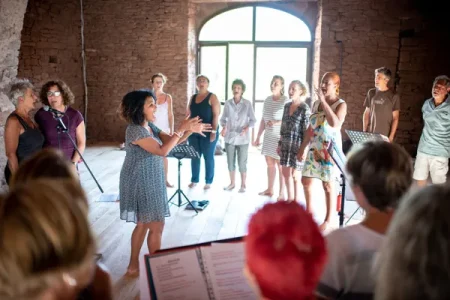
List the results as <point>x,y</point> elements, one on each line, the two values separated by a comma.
<point>178,276</point>
<point>224,264</point>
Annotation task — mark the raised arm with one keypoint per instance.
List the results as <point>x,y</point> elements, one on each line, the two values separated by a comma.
<point>335,119</point>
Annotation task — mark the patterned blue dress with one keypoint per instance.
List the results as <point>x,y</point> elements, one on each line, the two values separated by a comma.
<point>143,192</point>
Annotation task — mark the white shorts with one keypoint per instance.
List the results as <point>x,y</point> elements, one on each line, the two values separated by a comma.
<point>435,166</point>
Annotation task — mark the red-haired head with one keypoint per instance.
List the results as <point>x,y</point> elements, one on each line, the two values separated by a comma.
<point>330,84</point>
<point>285,251</point>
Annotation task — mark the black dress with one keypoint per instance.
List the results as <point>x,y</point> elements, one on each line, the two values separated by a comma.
<point>30,142</point>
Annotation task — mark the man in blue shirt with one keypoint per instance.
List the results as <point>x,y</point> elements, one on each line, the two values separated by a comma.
<point>434,146</point>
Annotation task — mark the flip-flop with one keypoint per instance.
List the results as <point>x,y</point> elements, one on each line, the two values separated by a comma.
<point>241,190</point>
<point>228,188</point>
<point>265,193</point>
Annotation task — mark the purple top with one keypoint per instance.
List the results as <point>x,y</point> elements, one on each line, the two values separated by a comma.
<point>47,124</point>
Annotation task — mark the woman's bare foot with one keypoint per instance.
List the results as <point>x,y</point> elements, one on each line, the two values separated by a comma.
<point>132,271</point>
<point>266,193</point>
<point>229,188</point>
<point>281,197</point>
<point>207,186</point>
<point>169,185</point>
<point>192,184</point>
<point>242,189</point>
<point>324,226</point>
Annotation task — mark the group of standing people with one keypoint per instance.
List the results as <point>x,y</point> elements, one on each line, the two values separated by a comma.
<point>25,135</point>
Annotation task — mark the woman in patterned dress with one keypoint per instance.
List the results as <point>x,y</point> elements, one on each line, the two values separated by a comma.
<point>293,127</point>
<point>328,114</point>
<point>143,193</point>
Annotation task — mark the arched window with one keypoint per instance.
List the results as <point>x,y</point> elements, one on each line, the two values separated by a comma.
<point>254,43</point>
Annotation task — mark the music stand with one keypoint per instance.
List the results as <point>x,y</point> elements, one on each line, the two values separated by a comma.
<point>340,160</point>
<point>359,137</point>
<point>180,152</point>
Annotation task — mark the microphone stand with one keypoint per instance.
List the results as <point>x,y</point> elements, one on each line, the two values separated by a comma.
<point>61,127</point>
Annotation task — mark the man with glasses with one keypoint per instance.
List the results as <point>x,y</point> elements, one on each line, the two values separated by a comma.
<point>434,146</point>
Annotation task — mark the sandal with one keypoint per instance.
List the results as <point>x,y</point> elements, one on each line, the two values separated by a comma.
<point>266,193</point>
<point>242,190</point>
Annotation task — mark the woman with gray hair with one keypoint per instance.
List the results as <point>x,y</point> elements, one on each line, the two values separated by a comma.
<point>22,136</point>
<point>414,261</point>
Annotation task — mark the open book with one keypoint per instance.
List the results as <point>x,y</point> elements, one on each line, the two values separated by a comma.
<point>208,272</point>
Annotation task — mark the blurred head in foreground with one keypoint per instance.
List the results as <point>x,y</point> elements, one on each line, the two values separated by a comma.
<point>46,245</point>
<point>285,252</point>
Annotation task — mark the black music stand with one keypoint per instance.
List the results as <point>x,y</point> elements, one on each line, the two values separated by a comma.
<point>179,152</point>
<point>340,160</point>
<point>359,137</point>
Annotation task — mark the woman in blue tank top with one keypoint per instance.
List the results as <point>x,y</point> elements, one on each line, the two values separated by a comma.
<point>206,106</point>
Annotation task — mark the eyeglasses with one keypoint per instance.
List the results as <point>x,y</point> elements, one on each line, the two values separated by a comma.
<point>56,93</point>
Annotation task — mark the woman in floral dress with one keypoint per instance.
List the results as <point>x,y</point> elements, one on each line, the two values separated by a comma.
<point>328,114</point>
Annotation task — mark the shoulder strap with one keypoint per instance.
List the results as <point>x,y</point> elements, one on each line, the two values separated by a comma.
<point>21,121</point>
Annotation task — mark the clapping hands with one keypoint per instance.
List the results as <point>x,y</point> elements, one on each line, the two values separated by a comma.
<point>195,125</point>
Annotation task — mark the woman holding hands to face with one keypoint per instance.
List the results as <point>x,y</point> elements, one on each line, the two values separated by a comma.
<point>328,114</point>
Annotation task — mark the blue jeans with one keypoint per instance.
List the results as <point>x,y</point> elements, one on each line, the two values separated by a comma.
<point>206,148</point>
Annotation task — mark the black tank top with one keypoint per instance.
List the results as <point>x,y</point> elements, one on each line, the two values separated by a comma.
<point>30,142</point>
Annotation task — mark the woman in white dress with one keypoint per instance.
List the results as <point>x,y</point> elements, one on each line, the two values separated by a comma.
<point>271,125</point>
<point>164,112</point>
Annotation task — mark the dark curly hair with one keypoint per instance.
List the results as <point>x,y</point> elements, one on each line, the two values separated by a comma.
<point>132,106</point>
<point>66,93</point>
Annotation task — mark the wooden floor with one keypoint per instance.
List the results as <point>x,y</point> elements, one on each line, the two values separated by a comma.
<point>226,216</point>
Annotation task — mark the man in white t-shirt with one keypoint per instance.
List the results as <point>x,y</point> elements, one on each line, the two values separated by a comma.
<point>380,174</point>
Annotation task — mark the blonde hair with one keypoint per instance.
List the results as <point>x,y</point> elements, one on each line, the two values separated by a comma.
<point>45,239</point>
<point>302,86</point>
<point>275,77</point>
<point>414,262</point>
<point>47,163</point>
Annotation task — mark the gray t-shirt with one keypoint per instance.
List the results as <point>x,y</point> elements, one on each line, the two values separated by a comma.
<point>381,105</point>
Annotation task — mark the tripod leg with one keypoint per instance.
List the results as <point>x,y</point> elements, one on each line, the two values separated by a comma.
<point>174,194</point>
<point>187,199</point>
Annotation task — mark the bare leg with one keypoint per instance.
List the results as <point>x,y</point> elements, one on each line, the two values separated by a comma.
<point>232,181</point>
<point>243,180</point>
<point>166,172</point>
<point>154,236</point>
<point>328,187</point>
<point>307,188</point>
<point>137,239</point>
<point>270,176</point>
<point>295,177</point>
<point>281,195</point>
<point>422,183</point>
<point>286,171</point>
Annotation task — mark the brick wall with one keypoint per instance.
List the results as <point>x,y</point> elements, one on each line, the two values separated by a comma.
<point>51,45</point>
<point>11,20</point>
<point>126,43</point>
<point>370,35</point>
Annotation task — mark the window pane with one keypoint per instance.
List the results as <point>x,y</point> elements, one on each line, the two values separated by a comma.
<point>277,25</point>
<point>213,66</point>
<point>232,25</point>
<point>240,65</point>
<point>291,63</point>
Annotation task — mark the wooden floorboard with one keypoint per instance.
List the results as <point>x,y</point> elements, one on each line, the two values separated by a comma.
<point>226,216</point>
